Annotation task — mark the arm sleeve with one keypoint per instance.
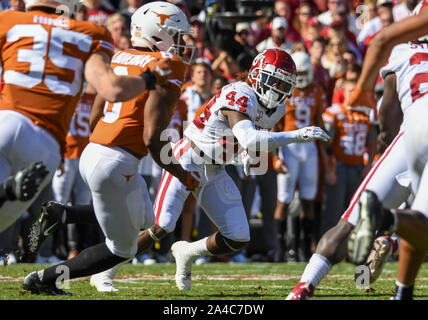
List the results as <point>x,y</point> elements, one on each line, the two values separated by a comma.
<point>255,140</point>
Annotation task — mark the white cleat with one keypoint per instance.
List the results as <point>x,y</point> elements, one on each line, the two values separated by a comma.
<point>103,281</point>
<point>103,286</point>
<point>183,260</point>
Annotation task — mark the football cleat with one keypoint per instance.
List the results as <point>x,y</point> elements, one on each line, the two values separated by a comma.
<point>302,291</point>
<point>103,281</point>
<point>379,255</point>
<point>183,274</point>
<point>24,185</point>
<point>33,284</point>
<point>102,285</point>
<point>361,238</point>
<point>50,220</point>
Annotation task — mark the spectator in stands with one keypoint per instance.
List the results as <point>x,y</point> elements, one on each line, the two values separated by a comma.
<point>285,9</point>
<point>352,73</point>
<point>132,6</point>
<point>298,46</point>
<point>386,18</point>
<point>313,32</point>
<point>198,29</point>
<point>277,38</point>
<point>321,74</point>
<point>116,24</point>
<point>226,66</point>
<point>333,57</point>
<point>98,13</point>
<point>369,20</point>
<point>17,5</point>
<point>301,21</point>
<point>218,83</point>
<point>326,18</point>
<point>404,9</point>
<point>82,15</point>
<point>242,35</point>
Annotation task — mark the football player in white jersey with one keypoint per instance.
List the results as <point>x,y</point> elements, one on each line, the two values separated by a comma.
<point>403,75</point>
<point>410,64</point>
<point>237,117</point>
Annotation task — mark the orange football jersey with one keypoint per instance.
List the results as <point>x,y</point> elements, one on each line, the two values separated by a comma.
<point>122,123</point>
<point>351,131</point>
<point>43,57</point>
<point>79,133</point>
<point>302,107</point>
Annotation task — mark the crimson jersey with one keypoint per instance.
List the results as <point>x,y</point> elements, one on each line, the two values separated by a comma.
<point>123,122</point>
<point>43,57</point>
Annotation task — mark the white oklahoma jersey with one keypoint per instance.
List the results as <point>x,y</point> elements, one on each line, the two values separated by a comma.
<point>410,64</point>
<point>389,177</point>
<point>211,132</point>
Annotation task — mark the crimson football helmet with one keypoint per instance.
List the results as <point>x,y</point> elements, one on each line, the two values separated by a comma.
<point>273,77</point>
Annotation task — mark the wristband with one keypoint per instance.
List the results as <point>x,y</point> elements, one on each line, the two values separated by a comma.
<point>150,79</point>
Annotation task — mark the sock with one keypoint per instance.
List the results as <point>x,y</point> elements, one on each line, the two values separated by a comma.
<point>3,195</point>
<point>403,292</point>
<point>90,261</point>
<point>316,269</point>
<point>281,229</point>
<point>307,226</point>
<point>388,222</point>
<point>199,248</point>
<point>80,214</point>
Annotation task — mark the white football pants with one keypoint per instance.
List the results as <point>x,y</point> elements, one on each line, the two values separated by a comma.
<point>301,160</point>
<point>416,150</point>
<point>218,196</point>
<point>21,143</point>
<point>385,179</point>
<point>121,201</point>
<point>63,185</point>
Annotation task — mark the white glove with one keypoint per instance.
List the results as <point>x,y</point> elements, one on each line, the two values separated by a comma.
<point>308,134</point>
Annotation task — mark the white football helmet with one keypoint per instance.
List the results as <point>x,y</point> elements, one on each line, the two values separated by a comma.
<point>305,72</point>
<point>73,5</point>
<point>416,11</point>
<point>159,26</point>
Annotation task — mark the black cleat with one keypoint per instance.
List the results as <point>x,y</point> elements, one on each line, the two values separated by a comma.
<point>24,185</point>
<point>361,238</point>
<point>49,221</point>
<point>33,284</point>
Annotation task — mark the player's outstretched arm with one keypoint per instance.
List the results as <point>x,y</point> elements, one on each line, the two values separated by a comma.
<point>380,47</point>
<point>116,88</point>
<point>255,140</point>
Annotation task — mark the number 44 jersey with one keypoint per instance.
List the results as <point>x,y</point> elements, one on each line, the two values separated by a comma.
<point>211,132</point>
<point>43,57</point>
<point>409,61</point>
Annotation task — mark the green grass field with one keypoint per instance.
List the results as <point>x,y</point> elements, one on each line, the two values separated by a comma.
<point>216,281</point>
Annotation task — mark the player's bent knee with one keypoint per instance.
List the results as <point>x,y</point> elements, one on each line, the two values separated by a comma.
<point>234,245</point>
